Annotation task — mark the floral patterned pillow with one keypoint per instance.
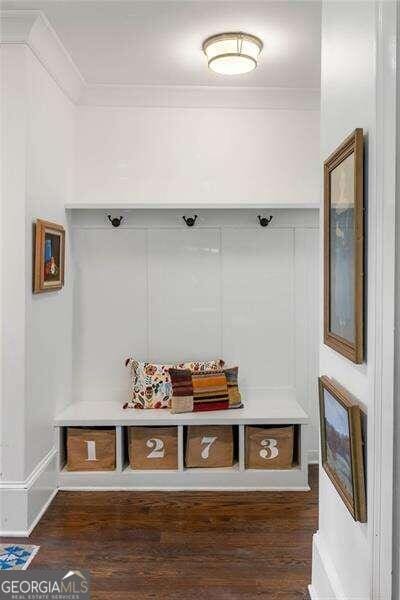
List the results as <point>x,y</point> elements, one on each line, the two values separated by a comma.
<point>151,383</point>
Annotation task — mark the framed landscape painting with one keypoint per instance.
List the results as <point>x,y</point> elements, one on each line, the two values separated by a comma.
<point>344,248</point>
<point>49,257</point>
<point>342,446</point>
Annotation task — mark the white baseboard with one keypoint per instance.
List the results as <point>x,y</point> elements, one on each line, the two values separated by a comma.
<point>312,592</point>
<point>325,583</point>
<point>42,511</point>
<point>157,488</point>
<point>23,503</point>
<point>313,457</point>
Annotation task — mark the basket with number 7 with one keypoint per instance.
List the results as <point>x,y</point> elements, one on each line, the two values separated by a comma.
<point>209,446</point>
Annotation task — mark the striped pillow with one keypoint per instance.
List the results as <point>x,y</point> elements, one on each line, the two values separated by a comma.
<point>181,400</point>
<point>210,391</point>
<point>235,398</point>
<point>195,392</point>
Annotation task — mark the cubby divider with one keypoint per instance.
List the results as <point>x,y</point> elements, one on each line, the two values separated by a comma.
<point>119,450</point>
<point>181,448</point>
<point>241,448</point>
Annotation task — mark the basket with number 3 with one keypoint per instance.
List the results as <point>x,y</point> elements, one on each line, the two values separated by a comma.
<point>269,447</point>
<point>209,446</point>
<point>153,447</point>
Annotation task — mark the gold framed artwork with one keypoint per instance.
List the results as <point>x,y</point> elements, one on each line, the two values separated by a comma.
<point>344,249</point>
<point>342,446</point>
<point>49,257</point>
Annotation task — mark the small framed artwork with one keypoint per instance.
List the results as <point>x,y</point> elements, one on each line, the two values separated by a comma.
<point>49,257</point>
<point>344,248</point>
<point>342,446</point>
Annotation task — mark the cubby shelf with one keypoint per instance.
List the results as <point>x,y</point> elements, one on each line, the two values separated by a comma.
<point>261,407</point>
<point>191,205</point>
<point>266,406</point>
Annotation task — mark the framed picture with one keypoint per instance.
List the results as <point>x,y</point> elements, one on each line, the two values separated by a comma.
<point>344,248</point>
<point>49,257</point>
<point>342,446</point>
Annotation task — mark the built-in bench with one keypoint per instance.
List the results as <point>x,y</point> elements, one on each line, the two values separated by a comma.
<point>268,407</point>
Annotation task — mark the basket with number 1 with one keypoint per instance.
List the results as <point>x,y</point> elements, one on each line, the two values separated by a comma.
<point>91,449</point>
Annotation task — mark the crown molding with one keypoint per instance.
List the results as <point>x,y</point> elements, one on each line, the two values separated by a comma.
<point>190,96</point>
<point>32,28</point>
<point>16,25</point>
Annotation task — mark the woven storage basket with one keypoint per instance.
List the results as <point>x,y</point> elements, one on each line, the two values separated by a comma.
<point>269,447</point>
<point>90,449</point>
<point>153,447</point>
<point>209,446</point>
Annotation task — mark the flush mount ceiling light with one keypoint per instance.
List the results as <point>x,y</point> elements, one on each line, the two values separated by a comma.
<point>232,53</point>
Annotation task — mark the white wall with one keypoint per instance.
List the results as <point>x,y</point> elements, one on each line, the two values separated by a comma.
<point>13,151</point>
<point>38,147</point>
<point>349,83</point>
<point>158,290</point>
<point>180,155</point>
<point>193,155</point>
<point>50,179</point>
<point>347,101</point>
<point>396,502</point>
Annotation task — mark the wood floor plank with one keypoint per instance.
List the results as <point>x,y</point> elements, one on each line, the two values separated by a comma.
<point>183,545</point>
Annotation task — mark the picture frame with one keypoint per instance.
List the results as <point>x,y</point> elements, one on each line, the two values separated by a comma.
<point>49,257</point>
<point>344,249</point>
<point>342,445</point>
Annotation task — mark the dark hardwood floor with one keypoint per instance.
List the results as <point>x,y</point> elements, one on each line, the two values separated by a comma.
<point>183,545</point>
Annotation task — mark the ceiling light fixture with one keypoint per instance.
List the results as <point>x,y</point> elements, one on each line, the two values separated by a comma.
<point>232,53</point>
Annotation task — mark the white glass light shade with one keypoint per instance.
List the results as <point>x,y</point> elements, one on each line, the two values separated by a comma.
<point>232,53</point>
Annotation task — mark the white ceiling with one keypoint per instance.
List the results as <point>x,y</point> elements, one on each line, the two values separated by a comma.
<point>159,42</point>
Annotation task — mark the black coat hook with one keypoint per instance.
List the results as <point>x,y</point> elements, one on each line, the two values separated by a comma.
<point>190,221</point>
<point>264,221</point>
<point>115,221</point>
